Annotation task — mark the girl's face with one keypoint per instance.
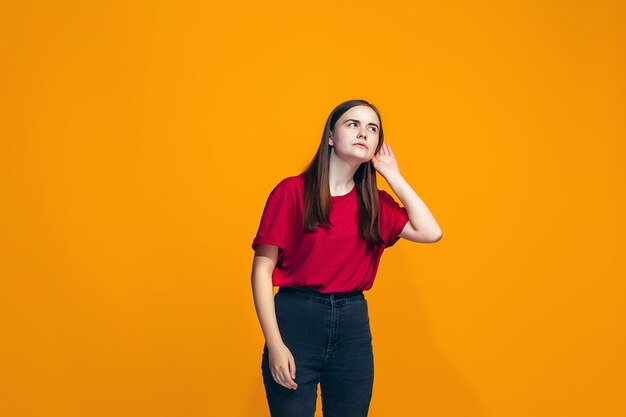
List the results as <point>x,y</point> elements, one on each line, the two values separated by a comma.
<point>355,135</point>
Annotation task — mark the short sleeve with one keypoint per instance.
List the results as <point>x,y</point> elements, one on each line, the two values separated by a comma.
<point>274,221</point>
<point>392,217</point>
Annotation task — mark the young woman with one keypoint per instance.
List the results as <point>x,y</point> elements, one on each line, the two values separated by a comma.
<point>320,240</point>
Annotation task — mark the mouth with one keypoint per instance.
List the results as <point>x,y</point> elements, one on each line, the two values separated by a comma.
<point>361,145</point>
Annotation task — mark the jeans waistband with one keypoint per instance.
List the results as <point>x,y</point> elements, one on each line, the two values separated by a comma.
<point>313,292</point>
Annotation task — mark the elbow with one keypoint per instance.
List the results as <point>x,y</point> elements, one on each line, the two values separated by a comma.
<point>436,236</point>
<point>422,236</point>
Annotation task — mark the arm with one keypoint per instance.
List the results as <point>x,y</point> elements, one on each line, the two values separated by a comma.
<point>281,362</point>
<point>422,226</point>
<point>265,258</point>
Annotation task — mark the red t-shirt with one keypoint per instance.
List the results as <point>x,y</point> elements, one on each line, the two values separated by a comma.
<point>333,260</point>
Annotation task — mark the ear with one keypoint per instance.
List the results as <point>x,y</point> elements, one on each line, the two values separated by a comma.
<point>330,139</point>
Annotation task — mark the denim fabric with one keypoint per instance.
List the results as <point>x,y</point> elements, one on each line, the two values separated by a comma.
<point>330,339</point>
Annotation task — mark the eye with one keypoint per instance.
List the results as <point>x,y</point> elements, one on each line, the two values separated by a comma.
<point>373,129</point>
<point>351,123</point>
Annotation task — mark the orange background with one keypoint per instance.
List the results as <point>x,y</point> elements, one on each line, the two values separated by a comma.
<point>140,141</point>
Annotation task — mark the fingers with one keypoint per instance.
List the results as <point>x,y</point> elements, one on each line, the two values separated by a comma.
<point>283,367</point>
<point>283,375</point>
<point>278,377</point>
<point>285,379</point>
<point>292,367</point>
<point>290,373</point>
<point>385,150</point>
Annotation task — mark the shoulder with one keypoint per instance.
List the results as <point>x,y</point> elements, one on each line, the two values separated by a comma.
<point>288,186</point>
<point>388,204</point>
<point>292,181</point>
<point>384,198</point>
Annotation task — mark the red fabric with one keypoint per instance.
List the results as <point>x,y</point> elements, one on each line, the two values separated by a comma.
<point>334,260</point>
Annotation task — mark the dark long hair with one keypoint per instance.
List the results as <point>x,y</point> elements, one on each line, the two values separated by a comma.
<point>317,196</point>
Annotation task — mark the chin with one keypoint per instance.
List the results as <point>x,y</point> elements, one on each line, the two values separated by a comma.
<point>357,157</point>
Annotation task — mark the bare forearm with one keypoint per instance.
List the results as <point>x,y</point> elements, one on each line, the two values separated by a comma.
<point>419,215</point>
<point>263,295</point>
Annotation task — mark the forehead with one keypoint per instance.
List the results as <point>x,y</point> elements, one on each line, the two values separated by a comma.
<point>365,114</point>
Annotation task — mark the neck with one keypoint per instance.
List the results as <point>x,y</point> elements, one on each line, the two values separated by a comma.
<point>341,175</point>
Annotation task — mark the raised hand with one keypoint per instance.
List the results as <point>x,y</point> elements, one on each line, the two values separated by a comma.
<point>385,161</point>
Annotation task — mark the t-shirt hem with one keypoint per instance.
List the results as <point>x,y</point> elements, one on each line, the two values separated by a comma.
<point>397,231</point>
<point>266,241</point>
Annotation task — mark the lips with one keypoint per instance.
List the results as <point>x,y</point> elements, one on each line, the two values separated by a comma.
<point>361,144</point>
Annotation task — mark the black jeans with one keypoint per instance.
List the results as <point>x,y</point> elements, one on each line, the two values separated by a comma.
<point>330,339</point>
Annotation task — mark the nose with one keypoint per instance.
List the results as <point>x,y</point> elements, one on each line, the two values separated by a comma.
<point>362,133</point>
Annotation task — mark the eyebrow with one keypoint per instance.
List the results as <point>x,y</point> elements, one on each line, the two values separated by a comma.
<point>355,120</point>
